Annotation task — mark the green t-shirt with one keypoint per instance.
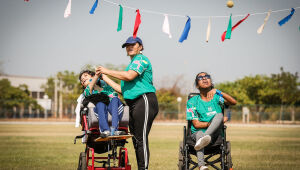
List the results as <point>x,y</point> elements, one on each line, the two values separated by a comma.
<point>108,90</point>
<point>197,109</point>
<point>143,83</point>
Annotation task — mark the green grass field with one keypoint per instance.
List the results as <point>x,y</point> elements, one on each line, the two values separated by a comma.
<point>51,147</point>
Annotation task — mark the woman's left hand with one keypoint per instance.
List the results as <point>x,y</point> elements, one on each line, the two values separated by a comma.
<point>211,93</point>
<point>102,70</point>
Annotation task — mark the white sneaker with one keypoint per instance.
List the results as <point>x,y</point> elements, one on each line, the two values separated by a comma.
<point>105,134</point>
<point>202,142</point>
<point>119,133</point>
<point>203,168</point>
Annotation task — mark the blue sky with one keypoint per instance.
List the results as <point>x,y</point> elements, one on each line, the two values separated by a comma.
<point>36,40</point>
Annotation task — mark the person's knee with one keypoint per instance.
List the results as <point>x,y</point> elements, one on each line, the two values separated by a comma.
<point>100,104</point>
<point>199,134</point>
<point>219,115</point>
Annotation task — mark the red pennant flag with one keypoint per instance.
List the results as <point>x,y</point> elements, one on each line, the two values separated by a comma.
<point>26,0</point>
<point>237,24</point>
<point>137,23</point>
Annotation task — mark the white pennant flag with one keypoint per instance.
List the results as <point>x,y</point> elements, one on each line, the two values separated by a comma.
<point>68,10</point>
<point>208,30</point>
<point>166,26</point>
<point>261,28</point>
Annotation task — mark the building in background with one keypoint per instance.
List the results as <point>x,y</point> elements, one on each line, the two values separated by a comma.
<point>34,86</point>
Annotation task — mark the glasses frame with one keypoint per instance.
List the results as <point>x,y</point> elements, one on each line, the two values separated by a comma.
<point>207,76</point>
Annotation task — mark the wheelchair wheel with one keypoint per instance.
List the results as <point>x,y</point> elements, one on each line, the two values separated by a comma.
<point>82,162</point>
<point>228,163</point>
<point>181,157</point>
<point>122,161</point>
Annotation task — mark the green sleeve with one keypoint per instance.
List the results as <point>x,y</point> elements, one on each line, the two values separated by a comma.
<point>191,112</point>
<point>87,91</point>
<point>139,65</point>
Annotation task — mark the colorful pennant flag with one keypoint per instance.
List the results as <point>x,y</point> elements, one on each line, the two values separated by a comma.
<point>26,0</point>
<point>229,29</point>
<point>237,24</point>
<point>94,7</point>
<point>166,26</point>
<point>120,18</point>
<point>137,23</point>
<point>261,28</point>
<point>287,18</point>
<point>208,30</point>
<point>186,30</point>
<point>68,10</point>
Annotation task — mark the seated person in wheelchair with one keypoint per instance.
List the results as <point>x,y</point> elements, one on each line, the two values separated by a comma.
<point>92,84</point>
<point>205,112</point>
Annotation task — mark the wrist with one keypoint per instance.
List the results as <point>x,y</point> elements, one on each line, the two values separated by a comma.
<point>218,92</point>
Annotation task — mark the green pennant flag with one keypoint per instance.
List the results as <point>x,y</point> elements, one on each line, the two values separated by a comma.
<point>228,32</point>
<point>120,19</point>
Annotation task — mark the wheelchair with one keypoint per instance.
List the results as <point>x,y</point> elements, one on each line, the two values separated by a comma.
<point>218,151</point>
<point>117,154</point>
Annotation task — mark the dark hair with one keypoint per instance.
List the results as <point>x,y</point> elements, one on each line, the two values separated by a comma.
<point>92,73</point>
<point>142,46</point>
<point>196,80</point>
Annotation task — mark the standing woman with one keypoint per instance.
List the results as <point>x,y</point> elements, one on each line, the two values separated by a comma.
<point>139,93</point>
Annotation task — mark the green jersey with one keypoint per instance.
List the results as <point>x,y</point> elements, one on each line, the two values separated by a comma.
<point>198,109</point>
<point>143,83</point>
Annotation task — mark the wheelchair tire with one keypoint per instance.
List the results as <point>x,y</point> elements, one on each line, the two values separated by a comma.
<point>181,165</point>
<point>122,159</point>
<point>228,163</point>
<point>82,161</point>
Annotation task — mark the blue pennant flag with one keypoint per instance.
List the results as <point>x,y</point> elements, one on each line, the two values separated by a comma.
<point>287,18</point>
<point>186,30</point>
<point>94,7</point>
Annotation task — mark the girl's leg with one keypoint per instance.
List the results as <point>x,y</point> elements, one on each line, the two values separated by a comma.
<point>210,131</point>
<point>200,153</point>
<point>215,124</point>
<point>101,110</point>
<point>113,109</point>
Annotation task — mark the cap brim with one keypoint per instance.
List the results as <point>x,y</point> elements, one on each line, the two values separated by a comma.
<point>125,44</point>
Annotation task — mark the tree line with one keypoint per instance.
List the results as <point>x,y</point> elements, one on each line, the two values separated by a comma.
<point>259,90</point>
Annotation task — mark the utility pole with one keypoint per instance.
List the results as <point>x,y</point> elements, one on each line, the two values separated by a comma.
<point>60,111</point>
<point>55,98</point>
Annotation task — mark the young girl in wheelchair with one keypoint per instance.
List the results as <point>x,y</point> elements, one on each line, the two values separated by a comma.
<point>105,99</point>
<point>205,112</point>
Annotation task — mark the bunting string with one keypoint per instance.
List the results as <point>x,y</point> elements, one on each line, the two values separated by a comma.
<point>195,16</point>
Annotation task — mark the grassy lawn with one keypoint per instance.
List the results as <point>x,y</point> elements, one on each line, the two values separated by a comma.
<point>51,147</point>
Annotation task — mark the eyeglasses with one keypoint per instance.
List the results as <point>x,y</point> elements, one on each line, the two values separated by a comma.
<point>201,77</point>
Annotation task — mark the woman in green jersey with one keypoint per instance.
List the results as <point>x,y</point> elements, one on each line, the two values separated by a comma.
<point>139,93</point>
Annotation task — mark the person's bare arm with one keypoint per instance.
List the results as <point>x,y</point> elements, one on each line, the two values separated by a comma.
<point>113,84</point>
<point>93,82</point>
<point>121,75</point>
<point>200,125</point>
<point>228,99</point>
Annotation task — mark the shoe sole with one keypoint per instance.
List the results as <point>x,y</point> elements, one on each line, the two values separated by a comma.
<point>204,142</point>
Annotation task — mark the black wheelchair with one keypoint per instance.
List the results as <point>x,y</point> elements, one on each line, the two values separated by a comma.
<point>218,151</point>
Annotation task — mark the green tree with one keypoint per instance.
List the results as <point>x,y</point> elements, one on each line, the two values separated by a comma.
<point>287,88</point>
<point>15,96</point>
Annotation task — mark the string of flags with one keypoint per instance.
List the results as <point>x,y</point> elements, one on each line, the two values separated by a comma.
<point>166,26</point>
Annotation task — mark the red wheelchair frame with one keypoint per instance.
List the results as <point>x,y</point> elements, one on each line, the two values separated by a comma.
<point>87,159</point>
